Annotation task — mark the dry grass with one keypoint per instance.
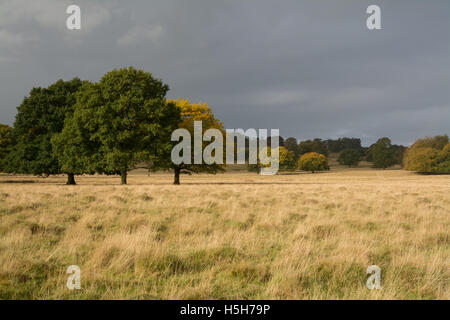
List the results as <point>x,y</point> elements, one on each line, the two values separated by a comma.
<point>229,236</point>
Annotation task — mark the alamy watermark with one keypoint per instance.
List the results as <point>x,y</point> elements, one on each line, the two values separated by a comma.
<point>73,22</point>
<point>74,280</point>
<point>259,153</point>
<point>374,20</point>
<point>374,281</point>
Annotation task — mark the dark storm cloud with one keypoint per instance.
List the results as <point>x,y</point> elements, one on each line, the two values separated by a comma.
<point>310,68</point>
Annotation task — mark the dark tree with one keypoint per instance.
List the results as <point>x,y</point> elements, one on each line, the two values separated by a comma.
<point>280,141</point>
<point>343,143</point>
<point>316,145</point>
<point>382,153</point>
<point>398,153</point>
<point>6,143</point>
<point>291,145</point>
<point>40,116</point>
<point>349,157</point>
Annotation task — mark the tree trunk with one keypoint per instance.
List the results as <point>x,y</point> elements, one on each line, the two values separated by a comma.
<point>123,176</point>
<point>177,176</point>
<point>71,179</point>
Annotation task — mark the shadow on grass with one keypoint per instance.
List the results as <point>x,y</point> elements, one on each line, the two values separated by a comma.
<point>17,181</point>
<point>432,174</point>
<point>198,183</point>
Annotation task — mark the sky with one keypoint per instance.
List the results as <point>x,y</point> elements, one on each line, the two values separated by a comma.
<point>309,68</point>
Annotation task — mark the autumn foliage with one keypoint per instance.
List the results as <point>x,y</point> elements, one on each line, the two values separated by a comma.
<point>313,162</point>
<point>429,155</point>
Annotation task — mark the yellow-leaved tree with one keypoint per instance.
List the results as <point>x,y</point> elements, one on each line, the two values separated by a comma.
<point>313,162</point>
<point>286,161</point>
<point>191,112</point>
<point>429,155</point>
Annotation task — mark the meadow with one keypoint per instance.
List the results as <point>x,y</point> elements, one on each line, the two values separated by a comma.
<point>236,235</point>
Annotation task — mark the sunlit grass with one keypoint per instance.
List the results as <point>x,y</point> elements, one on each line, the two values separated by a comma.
<point>229,236</point>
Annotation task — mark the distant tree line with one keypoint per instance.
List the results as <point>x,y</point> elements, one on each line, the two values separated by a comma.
<point>382,153</point>
<point>343,144</point>
<point>428,155</point>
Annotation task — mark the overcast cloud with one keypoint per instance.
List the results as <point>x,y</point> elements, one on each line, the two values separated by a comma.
<point>310,68</point>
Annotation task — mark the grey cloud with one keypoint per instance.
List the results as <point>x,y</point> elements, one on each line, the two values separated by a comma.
<point>310,68</point>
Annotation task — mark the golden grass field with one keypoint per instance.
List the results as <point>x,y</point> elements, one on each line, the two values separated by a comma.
<point>227,236</point>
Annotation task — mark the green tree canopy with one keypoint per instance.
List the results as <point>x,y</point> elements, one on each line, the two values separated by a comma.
<point>40,116</point>
<point>292,145</point>
<point>287,159</point>
<point>316,145</point>
<point>398,153</point>
<point>382,153</point>
<point>6,142</point>
<point>119,122</point>
<point>75,147</point>
<point>313,162</point>
<point>343,143</point>
<point>349,157</point>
